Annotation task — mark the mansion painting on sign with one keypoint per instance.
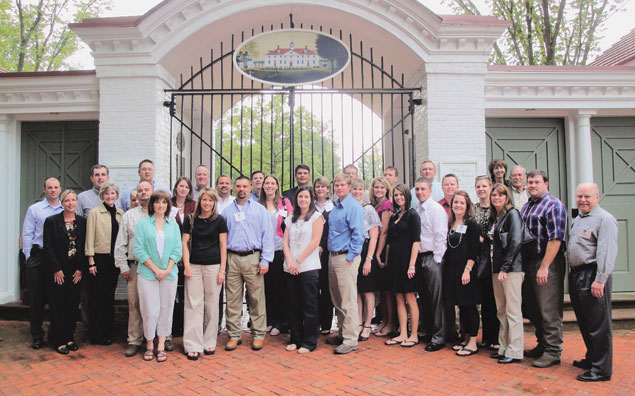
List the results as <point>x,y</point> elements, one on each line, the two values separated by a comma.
<point>575,122</point>
<point>309,58</point>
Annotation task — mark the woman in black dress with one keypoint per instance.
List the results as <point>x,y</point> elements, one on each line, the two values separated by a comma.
<point>460,286</point>
<point>402,247</point>
<point>64,238</point>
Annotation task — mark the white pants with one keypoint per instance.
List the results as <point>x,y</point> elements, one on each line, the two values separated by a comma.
<point>156,302</point>
<point>202,291</point>
<point>508,295</point>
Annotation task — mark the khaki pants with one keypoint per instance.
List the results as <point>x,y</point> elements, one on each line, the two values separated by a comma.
<point>244,270</point>
<point>135,323</point>
<point>201,308</point>
<point>508,295</point>
<point>343,287</point>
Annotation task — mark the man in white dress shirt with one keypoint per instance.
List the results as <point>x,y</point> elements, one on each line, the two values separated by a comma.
<point>224,188</point>
<point>434,229</point>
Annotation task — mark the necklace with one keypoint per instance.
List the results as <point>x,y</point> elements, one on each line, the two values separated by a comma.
<point>452,232</point>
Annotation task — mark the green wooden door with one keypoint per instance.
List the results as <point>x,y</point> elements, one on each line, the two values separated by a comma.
<point>614,172</point>
<point>534,143</point>
<point>65,150</point>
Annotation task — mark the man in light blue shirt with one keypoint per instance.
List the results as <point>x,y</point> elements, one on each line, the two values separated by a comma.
<point>146,173</point>
<point>345,240</point>
<point>429,171</point>
<point>32,247</point>
<point>249,252</point>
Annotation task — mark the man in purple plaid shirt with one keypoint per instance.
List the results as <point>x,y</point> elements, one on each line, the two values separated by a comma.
<point>544,260</point>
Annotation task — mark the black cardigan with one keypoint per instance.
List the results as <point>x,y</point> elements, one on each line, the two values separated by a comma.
<point>56,245</point>
<point>508,240</point>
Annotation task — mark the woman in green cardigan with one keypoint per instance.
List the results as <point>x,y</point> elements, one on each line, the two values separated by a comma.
<point>157,246</point>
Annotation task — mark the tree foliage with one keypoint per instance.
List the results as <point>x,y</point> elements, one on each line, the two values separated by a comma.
<point>546,32</point>
<point>35,34</point>
<point>255,136</point>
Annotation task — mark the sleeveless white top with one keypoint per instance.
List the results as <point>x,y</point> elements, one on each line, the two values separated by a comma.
<point>300,234</point>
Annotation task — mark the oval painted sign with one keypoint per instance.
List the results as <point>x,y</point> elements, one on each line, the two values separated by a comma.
<point>291,57</point>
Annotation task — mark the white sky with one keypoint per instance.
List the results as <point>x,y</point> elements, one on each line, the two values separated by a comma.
<point>617,26</point>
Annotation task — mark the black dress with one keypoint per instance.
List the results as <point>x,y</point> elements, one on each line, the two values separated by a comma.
<point>401,235</point>
<point>461,247</point>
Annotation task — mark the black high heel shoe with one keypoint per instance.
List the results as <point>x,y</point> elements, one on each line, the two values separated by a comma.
<point>361,337</point>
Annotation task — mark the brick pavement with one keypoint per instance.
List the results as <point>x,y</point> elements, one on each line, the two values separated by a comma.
<point>374,370</point>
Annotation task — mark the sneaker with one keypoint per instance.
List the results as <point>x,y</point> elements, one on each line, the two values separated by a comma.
<point>344,349</point>
<point>169,346</point>
<point>131,350</point>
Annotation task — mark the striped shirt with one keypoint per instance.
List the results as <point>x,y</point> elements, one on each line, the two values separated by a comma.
<point>546,218</point>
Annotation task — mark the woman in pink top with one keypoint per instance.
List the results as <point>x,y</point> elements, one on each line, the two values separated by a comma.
<point>380,191</point>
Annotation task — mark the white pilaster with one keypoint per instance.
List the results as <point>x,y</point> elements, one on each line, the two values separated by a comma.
<point>10,224</point>
<point>584,145</point>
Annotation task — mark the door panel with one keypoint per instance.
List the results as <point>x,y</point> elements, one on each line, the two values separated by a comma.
<point>65,150</point>
<point>532,143</point>
<point>614,172</point>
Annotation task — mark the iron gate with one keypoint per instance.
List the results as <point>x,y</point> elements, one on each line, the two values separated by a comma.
<point>235,125</point>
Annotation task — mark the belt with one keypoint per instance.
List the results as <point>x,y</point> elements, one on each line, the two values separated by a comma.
<point>339,253</point>
<point>584,267</point>
<point>426,254</point>
<point>132,261</point>
<point>243,254</point>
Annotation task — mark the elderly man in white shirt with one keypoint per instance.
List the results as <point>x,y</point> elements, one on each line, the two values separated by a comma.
<point>434,229</point>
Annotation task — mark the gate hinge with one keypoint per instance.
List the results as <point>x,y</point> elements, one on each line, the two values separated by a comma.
<point>172,106</point>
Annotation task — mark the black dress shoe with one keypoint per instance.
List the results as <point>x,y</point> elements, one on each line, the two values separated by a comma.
<point>496,356</point>
<point>72,346</point>
<point>433,347</point>
<point>590,376</point>
<point>583,364</point>
<point>535,353</point>
<point>507,360</point>
<point>37,343</point>
<point>62,350</point>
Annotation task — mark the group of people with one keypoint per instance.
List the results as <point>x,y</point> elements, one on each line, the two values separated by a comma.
<point>297,256</point>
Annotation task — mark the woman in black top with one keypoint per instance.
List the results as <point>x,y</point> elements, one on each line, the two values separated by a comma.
<point>461,287</point>
<point>204,260</point>
<point>324,204</point>
<point>64,239</point>
<point>506,239</point>
<point>402,248</point>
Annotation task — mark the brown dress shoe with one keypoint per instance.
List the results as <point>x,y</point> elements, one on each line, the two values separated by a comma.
<point>257,345</point>
<point>232,344</point>
<point>545,361</point>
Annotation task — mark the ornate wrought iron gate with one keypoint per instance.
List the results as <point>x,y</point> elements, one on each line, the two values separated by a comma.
<point>363,116</point>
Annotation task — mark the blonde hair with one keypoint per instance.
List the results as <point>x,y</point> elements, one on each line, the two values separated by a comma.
<point>66,193</point>
<point>357,183</point>
<point>342,177</point>
<point>373,198</point>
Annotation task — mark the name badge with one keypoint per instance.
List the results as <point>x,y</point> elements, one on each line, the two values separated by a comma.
<point>282,213</point>
<point>461,228</point>
<point>585,233</point>
<point>239,216</point>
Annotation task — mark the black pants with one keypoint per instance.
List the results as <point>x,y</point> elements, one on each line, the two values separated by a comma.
<point>432,297</point>
<point>530,310</point>
<point>324,300</point>
<point>37,278</point>
<point>594,317</point>
<point>275,294</point>
<point>178,314</point>
<point>302,292</point>
<point>102,298</point>
<point>468,316</point>
<point>491,325</point>
<point>63,304</point>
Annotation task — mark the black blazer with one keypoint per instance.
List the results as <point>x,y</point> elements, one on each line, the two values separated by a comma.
<point>508,240</point>
<point>56,245</point>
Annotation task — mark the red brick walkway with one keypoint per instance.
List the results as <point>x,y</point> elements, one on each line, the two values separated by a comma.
<point>375,369</point>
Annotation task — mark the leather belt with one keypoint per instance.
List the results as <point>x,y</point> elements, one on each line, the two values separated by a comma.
<point>243,254</point>
<point>339,253</point>
<point>425,254</point>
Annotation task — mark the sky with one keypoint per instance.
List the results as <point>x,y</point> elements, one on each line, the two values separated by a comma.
<point>617,26</point>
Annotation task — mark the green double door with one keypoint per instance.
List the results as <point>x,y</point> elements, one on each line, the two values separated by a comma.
<point>614,172</point>
<point>65,150</point>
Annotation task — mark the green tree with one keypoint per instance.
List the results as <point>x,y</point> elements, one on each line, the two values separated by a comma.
<point>547,32</point>
<point>259,134</point>
<point>36,36</point>
<point>332,50</point>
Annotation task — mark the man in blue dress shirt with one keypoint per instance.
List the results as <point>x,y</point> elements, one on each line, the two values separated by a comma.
<point>345,240</point>
<point>249,252</point>
<point>32,244</point>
